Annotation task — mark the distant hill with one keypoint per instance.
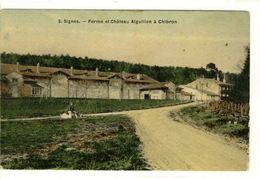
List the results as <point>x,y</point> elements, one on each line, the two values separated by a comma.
<point>177,75</point>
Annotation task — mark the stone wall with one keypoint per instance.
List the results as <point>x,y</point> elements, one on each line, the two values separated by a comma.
<point>205,84</point>
<point>131,91</point>
<point>154,94</point>
<point>115,88</point>
<point>170,95</point>
<point>59,85</point>
<point>45,83</point>
<point>5,89</point>
<point>26,90</point>
<point>199,95</point>
<point>97,89</point>
<point>77,89</point>
<point>15,83</point>
<point>183,97</point>
<point>88,89</point>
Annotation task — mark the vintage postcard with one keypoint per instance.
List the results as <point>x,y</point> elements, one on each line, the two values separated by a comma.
<point>125,90</point>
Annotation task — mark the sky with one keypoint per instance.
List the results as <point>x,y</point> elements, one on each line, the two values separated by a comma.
<point>198,37</point>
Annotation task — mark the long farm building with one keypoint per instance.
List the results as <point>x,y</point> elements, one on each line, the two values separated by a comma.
<point>37,81</point>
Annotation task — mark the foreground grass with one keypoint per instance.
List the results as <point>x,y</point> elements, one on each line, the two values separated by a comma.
<point>215,123</point>
<point>99,143</point>
<point>35,107</point>
<point>23,136</point>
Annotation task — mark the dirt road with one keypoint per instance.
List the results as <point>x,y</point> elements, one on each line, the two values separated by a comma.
<point>171,145</point>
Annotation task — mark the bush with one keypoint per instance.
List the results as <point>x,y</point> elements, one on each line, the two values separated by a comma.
<point>211,122</point>
<point>216,123</point>
<point>237,130</point>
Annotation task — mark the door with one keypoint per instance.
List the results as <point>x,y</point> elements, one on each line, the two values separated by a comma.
<point>147,96</point>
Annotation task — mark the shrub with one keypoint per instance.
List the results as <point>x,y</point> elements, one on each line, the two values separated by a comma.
<point>216,123</point>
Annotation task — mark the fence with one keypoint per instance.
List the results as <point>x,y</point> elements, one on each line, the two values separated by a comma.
<point>229,108</point>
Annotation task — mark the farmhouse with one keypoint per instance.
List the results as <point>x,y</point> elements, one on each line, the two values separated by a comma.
<point>183,95</point>
<point>165,90</point>
<point>206,89</point>
<point>37,81</point>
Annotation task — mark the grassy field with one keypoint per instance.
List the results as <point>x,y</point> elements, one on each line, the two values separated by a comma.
<point>36,107</point>
<point>215,123</point>
<point>100,143</point>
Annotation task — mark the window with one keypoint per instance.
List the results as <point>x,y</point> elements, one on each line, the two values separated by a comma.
<point>36,91</point>
<point>14,80</point>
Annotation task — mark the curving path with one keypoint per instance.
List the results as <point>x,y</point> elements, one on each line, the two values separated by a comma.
<point>171,145</point>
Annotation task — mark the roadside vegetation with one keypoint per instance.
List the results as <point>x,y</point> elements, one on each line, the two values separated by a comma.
<point>100,143</point>
<point>214,122</point>
<point>36,107</point>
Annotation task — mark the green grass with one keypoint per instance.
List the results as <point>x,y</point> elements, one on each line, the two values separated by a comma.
<point>34,107</point>
<point>23,136</point>
<point>120,151</point>
<point>238,130</point>
<point>216,123</point>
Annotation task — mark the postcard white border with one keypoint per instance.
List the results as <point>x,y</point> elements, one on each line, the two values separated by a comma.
<point>252,6</point>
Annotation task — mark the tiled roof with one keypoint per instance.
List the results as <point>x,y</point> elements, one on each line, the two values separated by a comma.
<point>116,74</point>
<point>216,81</point>
<point>154,87</point>
<point>31,71</point>
<point>139,81</point>
<point>30,74</point>
<point>94,78</point>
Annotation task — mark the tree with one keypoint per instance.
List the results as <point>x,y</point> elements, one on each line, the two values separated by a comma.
<point>211,66</point>
<point>212,70</point>
<point>240,91</point>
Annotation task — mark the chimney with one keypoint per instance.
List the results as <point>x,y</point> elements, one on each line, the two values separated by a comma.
<point>138,76</point>
<point>217,77</point>
<point>38,68</point>
<point>71,70</point>
<point>17,67</point>
<point>224,79</point>
<point>123,74</point>
<point>97,71</point>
